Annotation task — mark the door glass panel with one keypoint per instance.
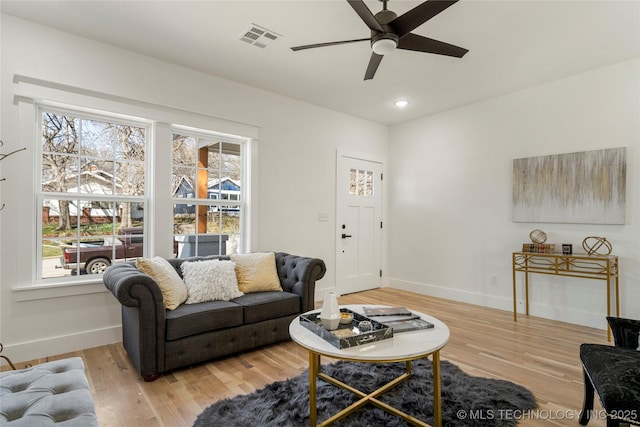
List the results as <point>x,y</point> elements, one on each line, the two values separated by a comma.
<point>353,184</point>
<point>361,183</point>
<point>368,183</point>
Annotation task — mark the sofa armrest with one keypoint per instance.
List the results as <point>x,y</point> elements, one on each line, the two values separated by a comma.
<point>132,287</point>
<point>143,316</point>
<point>298,275</point>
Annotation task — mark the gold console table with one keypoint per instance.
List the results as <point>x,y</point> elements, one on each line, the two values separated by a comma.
<point>600,267</point>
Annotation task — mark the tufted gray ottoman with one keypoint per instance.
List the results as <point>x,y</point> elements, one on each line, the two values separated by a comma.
<point>51,394</point>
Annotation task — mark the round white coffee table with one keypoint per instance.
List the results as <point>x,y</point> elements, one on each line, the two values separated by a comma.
<point>402,347</point>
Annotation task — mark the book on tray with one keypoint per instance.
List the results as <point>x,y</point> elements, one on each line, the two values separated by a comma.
<point>398,318</point>
<point>385,311</point>
<point>409,325</point>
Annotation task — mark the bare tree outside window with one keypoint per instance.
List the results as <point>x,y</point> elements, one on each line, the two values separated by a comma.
<point>59,143</point>
<point>91,167</point>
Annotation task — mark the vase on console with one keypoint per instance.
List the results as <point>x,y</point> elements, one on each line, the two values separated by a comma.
<point>330,313</point>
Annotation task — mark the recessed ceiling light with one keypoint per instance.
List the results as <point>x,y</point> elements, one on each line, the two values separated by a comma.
<point>401,103</point>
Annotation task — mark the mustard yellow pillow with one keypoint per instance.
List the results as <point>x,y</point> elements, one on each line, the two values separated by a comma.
<point>256,272</point>
<point>174,291</point>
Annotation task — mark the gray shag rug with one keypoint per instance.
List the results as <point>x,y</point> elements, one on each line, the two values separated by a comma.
<point>466,400</point>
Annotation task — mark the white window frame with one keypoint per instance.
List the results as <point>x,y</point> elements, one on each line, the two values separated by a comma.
<point>42,195</point>
<point>30,92</point>
<point>245,165</point>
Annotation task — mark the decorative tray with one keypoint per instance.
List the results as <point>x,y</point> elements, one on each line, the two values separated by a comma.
<point>347,335</point>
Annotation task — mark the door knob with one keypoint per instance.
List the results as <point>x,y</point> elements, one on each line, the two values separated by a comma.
<point>344,236</point>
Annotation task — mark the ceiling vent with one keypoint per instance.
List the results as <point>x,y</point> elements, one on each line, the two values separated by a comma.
<point>259,36</point>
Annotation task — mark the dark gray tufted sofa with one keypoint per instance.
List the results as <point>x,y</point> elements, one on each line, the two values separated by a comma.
<point>159,340</point>
<point>50,394</point>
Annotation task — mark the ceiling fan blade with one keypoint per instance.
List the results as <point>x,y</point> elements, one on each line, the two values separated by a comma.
<point>424,44</point>
<point>365,14</point>
<point>373,66</point>
<point>311,46</point>
<point>417,16</point>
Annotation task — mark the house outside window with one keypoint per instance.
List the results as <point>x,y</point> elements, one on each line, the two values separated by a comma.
<point>92,188</point>
<point>208,169</point>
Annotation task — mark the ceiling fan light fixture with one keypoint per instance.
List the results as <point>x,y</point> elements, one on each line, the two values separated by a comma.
<point>384,46</point>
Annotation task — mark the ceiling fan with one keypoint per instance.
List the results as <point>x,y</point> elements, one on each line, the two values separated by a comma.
<point>390,31</point>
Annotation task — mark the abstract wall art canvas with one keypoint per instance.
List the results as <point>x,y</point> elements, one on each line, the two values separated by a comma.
<point>588,187</point>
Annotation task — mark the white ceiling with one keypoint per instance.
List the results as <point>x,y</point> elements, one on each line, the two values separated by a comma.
<point>512,45</point>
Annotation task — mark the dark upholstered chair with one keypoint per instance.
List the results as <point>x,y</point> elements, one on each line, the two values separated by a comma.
<point>613,372</point>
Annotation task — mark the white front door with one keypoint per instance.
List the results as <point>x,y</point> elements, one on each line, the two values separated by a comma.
<point>359,225</point>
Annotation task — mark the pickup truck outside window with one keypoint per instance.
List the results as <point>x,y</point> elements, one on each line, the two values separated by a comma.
<point>95,256</point>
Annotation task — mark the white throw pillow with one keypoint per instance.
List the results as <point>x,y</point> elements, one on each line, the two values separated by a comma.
<point>210,280</point>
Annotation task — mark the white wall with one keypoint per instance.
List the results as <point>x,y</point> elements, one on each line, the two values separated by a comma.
<point>452,184</point>
<point>294,174</point>
<point>449,186</point>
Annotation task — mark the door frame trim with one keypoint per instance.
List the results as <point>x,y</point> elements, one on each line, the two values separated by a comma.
<point>383,244</point>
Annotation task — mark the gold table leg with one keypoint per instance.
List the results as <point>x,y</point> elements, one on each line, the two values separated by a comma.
<point>314,369</point>
<point>314,374</point>
<point>513,273</point>
<point>608,303</point>
<point>617,296</point>
<point>437,401</point>
<point>526,292</point>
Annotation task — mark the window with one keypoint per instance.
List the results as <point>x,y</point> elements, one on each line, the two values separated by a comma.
<point>208,168</point>
<point>102,188</point>
<point>92,191</point>
<point>360,183</point>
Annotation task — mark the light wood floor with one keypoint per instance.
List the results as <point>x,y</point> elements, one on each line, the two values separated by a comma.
<point>540,354</point>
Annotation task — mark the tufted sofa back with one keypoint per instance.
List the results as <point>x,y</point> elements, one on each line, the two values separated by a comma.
<point>293,271</point>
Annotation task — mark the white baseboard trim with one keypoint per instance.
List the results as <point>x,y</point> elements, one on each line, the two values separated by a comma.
<point>562,314</point>
<point>500,303</point>
<point>36,349</point>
